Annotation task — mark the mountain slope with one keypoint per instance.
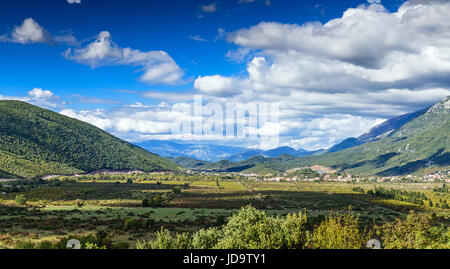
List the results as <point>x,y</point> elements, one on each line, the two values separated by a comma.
<point>418,145</point>
<point>35,142</point>
<point>273,153</point>
<point>187,162</point>
<point>378,132</point>
<point>423,143</point>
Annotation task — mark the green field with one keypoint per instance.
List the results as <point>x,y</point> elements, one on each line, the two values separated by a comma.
<point>56,209</point>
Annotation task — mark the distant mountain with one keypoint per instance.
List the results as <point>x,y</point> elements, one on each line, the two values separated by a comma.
<point>273,153</point>
<point>347,143</point>
<point>204,152</point>
<point>214,153</point>
<point>376,133</point>
<point>245,155</point>
<point>188,162</point>
<point>36,142</point>
<point>420,143</point>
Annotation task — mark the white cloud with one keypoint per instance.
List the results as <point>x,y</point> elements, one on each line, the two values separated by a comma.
<point>168,96</point>
<point>158,66</point>
<point>74,1</point>
<point>217,85</point>
<point>137,119</point>
<point>337,79</point>
<point>67,39</point>
<point>29,32</point>
<point>41,94</point>
<point>39,97</point>
<point>209,8</point>
<point>239,55</point>
<point>198,38</point>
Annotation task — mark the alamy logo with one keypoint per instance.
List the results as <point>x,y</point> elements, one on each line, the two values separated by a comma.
<point>258,121</point>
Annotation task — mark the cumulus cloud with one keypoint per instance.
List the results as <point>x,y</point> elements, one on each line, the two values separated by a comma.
<point>367,49</point>
<point>216,85</point>
<point>39,97</point>
<point>29,32</point>
<point>126,120</point>
<point>347,74</point>
<point>158,66</point>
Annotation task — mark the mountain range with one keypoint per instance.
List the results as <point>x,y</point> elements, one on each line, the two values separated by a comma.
<point>36,142</point>
<point>407,144</point>
<point>215,153</point>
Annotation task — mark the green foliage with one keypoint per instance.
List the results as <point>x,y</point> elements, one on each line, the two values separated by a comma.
<point>444,189</point>
<point>340,231</point>
<point>248,229</point>
<point>20,199</point>
<point>164,240</point>
<point>400,195</point>
<point>206,238</point>
<point>252,229</point>
<point>36,142</point>
<point>416,232</point>
<point>25,245</point>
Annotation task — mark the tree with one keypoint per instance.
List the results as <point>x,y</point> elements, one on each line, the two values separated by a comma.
<point>416,232</point>
<point>340,231</point>
<point>145,203</point>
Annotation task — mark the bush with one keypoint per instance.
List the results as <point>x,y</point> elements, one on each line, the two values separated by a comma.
<point>416,232</point>
<point>339,231</point>
<point>25,245</point>
<point>252,229</point>
<point>45,245</point>
<point>164,240</point>
<point>121,245</point>
<point>145,203</point>
<point>206,238</point>
<point>21,199</point>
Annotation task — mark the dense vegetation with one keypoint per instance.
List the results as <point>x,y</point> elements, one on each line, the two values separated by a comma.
<point>36,142</point>
<point>253,229</point>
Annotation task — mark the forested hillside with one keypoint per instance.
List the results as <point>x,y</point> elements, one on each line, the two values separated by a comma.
<point>36,142</point>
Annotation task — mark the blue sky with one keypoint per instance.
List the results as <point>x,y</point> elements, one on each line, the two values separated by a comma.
<point>110,62</point>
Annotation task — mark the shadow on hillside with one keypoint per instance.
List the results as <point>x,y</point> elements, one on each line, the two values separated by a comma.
<point>377,162</point>
<point>4,174</point>
<point>437,159</point>
<point>235,169</point>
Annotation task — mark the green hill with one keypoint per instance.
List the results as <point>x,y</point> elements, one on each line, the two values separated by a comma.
<point>36,142</point>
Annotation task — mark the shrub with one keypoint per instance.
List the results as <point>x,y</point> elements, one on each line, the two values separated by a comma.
<point>339,231</point>
<point>206,238</point>
<point>21,199</point>
<point>416,232</point>
<point>252,229</point>
<point>45,245</point>
<point>25,245</point>
<point>164,240</point>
